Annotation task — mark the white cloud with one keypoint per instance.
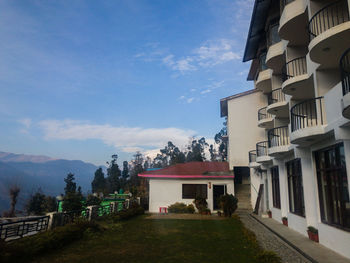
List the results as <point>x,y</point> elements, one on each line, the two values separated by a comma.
<point>182,97</point>
<point>205,91</point>
<point>26,124</point>
<point>189,100</point>
<point>192,90</point>
<point>128,139</point>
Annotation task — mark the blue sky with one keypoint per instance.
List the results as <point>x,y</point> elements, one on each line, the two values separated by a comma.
<point>86,79</point>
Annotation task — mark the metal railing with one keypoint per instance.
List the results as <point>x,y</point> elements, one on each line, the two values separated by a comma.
<point>252,156</point>
<point>329,16</point>
<point>278,136</point>
<point>293,68</point>
<point>275,96</point>
<point>261,148</point>
<point>263,114</point>
<point>345,71</point>
<point>72,216</point>
<point>19,229</point>
<point>307,113</point>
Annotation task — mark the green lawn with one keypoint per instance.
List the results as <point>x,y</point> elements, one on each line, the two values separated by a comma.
<point>145,240</point>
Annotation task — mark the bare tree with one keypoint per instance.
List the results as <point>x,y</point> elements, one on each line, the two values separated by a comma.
<point>13,193</point>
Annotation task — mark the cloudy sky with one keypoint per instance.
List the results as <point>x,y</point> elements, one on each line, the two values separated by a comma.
<point>87,79</point>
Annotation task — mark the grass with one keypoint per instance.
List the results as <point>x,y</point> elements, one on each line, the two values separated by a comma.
<point>148,240</point>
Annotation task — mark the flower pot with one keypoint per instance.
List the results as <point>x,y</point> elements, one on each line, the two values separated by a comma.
<point>312,236</point>
<point>285,222</point>
<point>269,213</point>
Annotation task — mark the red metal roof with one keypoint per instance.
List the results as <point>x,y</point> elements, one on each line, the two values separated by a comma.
<point>192,170</point>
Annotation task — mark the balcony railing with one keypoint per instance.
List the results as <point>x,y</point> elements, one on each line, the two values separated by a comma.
<point>295,67</point>
<point>263,114</point>
<point>261,148</point>
<point>345,71</point>
<point>278,137</point>
<point>308,113</point>
<point>252,156</point>
<point>329,16</point>
<point>275,96</point>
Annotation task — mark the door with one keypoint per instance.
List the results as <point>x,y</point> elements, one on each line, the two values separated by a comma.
<point>218,190</point>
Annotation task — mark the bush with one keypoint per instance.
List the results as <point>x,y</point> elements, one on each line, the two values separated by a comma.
<point>228,203</point>
<point>181,208</point>
<point>201,204</point>
<point>127,213</point>
<point>28,247</point>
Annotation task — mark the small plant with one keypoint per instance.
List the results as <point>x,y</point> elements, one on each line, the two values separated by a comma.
<point>285,221</point>
<point>269,213</point>
<point>312,229</point>
<point>201,204</point>
<point>228,203</point>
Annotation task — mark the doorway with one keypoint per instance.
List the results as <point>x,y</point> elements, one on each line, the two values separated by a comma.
<point>218,190</point>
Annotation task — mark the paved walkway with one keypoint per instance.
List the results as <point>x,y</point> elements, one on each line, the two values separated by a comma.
<point>269,241</point>
<point>184,216</point>
<point>318,253</point>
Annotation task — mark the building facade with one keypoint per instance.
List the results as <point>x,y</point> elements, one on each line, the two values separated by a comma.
<point>300,64</point>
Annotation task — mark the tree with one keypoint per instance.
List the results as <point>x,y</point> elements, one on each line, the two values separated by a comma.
<point>222,142</point>
<point>73,199</point>
<point>93,200</point>
<point>125,172</point>
<point>136,169</point>
<point>114,173</point>
<point>213,153</point>
<point>98,185</point>
<point>36,203</point>
<point>50,204</point>
<point>196,150</point>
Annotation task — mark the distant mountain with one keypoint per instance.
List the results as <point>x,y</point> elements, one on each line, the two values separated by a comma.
<point>48,175</point>
<point>12,157</point>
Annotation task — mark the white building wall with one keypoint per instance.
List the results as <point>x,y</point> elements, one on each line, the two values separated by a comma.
<point>242,128</point>
<point>165,192</point>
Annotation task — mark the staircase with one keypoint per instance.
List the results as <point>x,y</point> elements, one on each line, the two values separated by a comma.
<point>242,192</point>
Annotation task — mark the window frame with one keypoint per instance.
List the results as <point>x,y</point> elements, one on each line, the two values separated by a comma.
<point>200,190</point>
<point>276,193</point>
<point>295,187</point>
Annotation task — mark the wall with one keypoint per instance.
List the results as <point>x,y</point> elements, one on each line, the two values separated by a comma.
<point>163,192</point>
<point>242,127</point>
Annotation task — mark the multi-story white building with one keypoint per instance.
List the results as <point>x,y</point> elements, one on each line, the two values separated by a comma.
<point>293,130</point>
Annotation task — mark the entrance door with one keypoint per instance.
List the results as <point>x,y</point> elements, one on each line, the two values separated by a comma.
<point>218,190</point>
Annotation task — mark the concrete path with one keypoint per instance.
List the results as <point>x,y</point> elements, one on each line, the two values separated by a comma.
<point>269,241</point>
<point>184,216</point>
<point>315,251</point>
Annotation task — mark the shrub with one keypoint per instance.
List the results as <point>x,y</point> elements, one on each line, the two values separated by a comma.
<point>128,213</point>
<point>201,204</point>
<point>50,240</point>
<point>228,203</point>
<point>181,208</point>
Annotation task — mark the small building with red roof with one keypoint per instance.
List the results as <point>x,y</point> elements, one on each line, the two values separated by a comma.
<point>184,182</point>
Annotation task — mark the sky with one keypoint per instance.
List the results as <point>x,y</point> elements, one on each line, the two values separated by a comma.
<point>87,79</point>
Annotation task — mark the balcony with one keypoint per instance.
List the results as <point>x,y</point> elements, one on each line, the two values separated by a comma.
<point>307,121</point>
<point>293,22</point>
<point>345,77</point>
<point>279,142</point>
<point>278,105</point>
<point>265,119</point>
<point>275,54</point>
<point>296,81</point>
<point>262,155</point>
<point>264,80</point>
<point>252,159</point>
<point>329,32</point>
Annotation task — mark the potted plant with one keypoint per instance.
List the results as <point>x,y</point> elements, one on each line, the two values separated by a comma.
<point>228,204</point>
<point>269,213</point>
<point>285,221</point>
<point>313,233</point>
<point>201,205</point>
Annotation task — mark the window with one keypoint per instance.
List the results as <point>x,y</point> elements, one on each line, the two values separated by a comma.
<point>275,187</point>
<point>191,191</point>
<point>295,187</point>
<point>333,186</point>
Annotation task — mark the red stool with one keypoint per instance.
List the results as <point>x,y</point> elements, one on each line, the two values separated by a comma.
<point>163,210</point>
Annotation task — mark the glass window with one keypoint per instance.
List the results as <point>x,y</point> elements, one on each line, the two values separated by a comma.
<point>273,36</point>
<point>295,187</point>
<point>191,191</point>
<point>333,186</point>
<point>275,187</point>
<point>263,62</point>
